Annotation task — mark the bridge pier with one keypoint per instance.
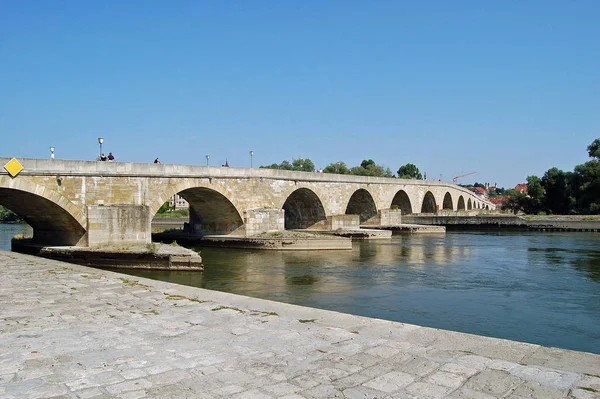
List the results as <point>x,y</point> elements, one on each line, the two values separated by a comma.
<point>338,222</point>
<point>255,221</point>
<point>386,217</point>
<point>263,220</point>
<point>119,224</point>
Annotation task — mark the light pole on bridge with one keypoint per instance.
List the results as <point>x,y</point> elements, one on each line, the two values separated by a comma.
<point>52,152</point>
<point>251,155</point>
<point>207,158</point>
<point>100,141</point>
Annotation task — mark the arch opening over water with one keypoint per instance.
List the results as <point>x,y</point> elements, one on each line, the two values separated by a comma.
<point>469,204</point>
<point>402,201</point>
<point>461,204</point>
<point>447,204</point>
<point>51,224</point>
<point>429,205</point>
<point>211,212</point>
<point>361,203</point>
<point>303,208</point>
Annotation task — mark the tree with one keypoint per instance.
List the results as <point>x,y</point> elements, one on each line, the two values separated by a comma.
<point>338,167</point>
<point>300,164</point>
<point>6,215</point>
<point>535,193</point>
<point>516,201</point>
<point>367,163</point>
<point>409,171</point>
<point>586,178</point>
<point>370,168</point>
<point>558,199</point>
<point>594,149</point>
<point>303,164</point>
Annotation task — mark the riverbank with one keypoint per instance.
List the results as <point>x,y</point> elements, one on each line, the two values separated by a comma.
<point>74,331</point>
<point>509,222</point>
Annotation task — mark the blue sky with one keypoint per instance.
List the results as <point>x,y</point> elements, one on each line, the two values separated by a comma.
<point>506,89</point>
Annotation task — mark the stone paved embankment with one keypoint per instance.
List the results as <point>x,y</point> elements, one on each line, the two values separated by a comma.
<point>70,331</point>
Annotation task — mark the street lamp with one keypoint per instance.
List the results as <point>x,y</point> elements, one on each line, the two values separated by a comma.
<point>100,141</point>
<point>207,158</point>
<point>251,155</point>
<point>51,152</point>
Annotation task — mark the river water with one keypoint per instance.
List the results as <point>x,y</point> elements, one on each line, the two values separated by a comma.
<point>536,287</point>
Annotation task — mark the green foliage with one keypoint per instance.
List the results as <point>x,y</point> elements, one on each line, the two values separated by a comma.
<point>164,208</point>
<point>562,193</point>
<point>558,198</point>
<point>338,167</point>
<point>6,215</point>
<point>370,168</point>
<point>299,164</point>
<point>515,201</point>
<point>409,171</point>
<point>166,211</point>
<point>594,149</point>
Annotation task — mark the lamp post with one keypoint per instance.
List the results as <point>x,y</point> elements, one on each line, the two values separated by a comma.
<point>207,158</point>
<point>100,141</point>
<point>51,152</point>
<point>251,155</point>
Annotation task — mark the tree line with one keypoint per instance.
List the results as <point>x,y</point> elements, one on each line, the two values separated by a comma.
<point>367,167</point>
<point>561,193</point>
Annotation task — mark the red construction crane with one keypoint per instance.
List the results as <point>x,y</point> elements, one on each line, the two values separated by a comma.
<point>457,177</point>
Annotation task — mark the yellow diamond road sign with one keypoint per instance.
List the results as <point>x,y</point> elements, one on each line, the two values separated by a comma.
<point>13,167</point>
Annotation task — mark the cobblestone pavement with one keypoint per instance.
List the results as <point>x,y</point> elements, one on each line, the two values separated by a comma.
<point>75,332</point>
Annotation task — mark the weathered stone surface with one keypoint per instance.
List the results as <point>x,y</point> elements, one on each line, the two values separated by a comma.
<point>118,336</point>
<point>85,202</point>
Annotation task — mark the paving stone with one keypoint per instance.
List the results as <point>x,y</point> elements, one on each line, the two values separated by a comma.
<point>390,382</point>
<point>427,390</point>
<point>252,394</point>
<point>362,393</point>
<point>282,388</point>
<point>446,379</point>
<point>131,385</point>
<point>531,389</point>
<point>493,382</point>
<point>583,394</point>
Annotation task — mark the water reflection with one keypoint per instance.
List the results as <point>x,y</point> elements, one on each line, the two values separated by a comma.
<point>8,231</point>
<point>585,260</point>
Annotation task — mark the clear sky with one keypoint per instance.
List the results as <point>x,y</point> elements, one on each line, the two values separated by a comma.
<point>504,88</point>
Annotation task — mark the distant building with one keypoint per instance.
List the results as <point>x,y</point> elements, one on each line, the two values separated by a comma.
<point>521,188</point>
<point>178,203</point>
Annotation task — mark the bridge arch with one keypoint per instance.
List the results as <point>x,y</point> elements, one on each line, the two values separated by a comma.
<point>212,209</point>
<point>55,220</point>
<point>469,204</point>
<point>402,201</point>
<point>429,205</point>
<point>447,203</point>
<point>303,208</point>
<point>361,203</point>
<point>461,204</point>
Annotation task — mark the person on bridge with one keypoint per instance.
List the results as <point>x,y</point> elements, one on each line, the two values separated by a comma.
<point>111,157</point>
<point>157,160</point>
<point>103,157</point>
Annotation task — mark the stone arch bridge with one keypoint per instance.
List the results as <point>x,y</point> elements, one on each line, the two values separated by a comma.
<point>89,203</point>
